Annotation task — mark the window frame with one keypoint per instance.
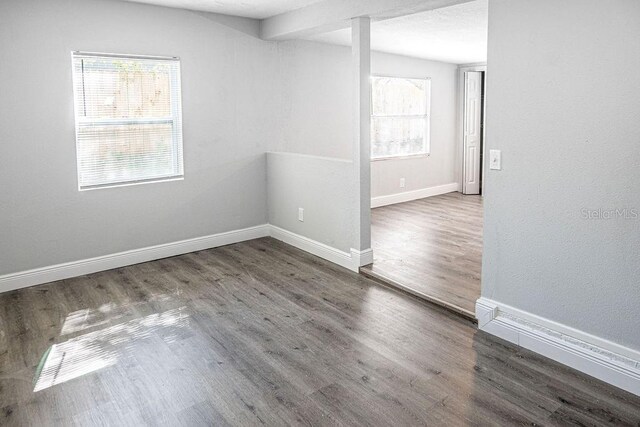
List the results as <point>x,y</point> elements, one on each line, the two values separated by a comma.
<point>175,119</point>
<point>426,117</point>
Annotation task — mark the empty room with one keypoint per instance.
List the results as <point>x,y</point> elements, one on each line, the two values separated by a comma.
<point>204,208</point>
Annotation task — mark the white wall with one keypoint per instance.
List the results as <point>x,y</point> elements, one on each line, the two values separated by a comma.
<point>316,85</point>
<point>563,107</point>
<point>317,114</point>
<point>315,120</point>
<point>44,219</point>
<point>323,187</point>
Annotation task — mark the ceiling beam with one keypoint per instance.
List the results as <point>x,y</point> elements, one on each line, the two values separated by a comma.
<point>330,15</point>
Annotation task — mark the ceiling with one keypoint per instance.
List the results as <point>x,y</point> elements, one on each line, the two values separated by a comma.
<point>456,34</point>
<point>257,9</point>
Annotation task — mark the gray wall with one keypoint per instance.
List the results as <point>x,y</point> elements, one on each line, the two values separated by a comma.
<point>316,84</point>
<point>323,187</point>
<point>563,108</point>
<point>45,220</point>
<point>316,113</point>
<point>315,122</point>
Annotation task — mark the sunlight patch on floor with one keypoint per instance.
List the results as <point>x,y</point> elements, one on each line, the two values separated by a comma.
<point>99,349</point>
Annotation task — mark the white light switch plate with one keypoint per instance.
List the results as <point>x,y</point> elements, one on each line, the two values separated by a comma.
<point>495,159</point>
<point>301,214</point>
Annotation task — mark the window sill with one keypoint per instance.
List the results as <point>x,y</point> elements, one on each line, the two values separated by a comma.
<point>412,156</point>
<point>132,183</point>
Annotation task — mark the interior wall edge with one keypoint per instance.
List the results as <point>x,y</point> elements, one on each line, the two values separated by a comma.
<point>308,156</point>
<point>598,357</point>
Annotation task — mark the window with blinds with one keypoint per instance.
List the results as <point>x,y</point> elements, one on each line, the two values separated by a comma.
<point>128,119</point>
<point>399,116</point>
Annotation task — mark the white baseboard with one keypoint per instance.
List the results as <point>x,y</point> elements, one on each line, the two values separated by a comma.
<point>353,260</point>
<point>92,265</point>
<point>361,258</point>
<point>600,358</point>
<point>407,196</point>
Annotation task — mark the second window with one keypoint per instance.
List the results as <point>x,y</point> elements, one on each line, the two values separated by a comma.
<point>399,116</point>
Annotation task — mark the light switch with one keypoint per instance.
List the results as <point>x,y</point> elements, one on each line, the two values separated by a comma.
<point>495,161</point>
<point>300,214</point>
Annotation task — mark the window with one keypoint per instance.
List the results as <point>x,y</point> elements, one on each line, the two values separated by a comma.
<point>128,119</point>
<point>399,116</point>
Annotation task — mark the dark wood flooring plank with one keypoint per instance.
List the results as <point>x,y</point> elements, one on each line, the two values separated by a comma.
<point>260,333</point>
<point>432,246</point>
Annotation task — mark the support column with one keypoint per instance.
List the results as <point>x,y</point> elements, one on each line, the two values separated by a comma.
<point>361,62</point>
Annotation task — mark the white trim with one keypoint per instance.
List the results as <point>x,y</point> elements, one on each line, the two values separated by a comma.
<point>309,156</point>
<point>413,195</point>
<point>600,358</point>
<point>52,273</point>
<point>132,183</point>
<point>123,55</point>
<point>361,258</point>
<point>351,260</point>
<point>473,65</point>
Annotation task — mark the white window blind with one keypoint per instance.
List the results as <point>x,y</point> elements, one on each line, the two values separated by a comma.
<point>128,119</point>
<point>399,116</point>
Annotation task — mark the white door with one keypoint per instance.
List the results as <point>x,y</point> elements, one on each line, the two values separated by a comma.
<point>472,131</point>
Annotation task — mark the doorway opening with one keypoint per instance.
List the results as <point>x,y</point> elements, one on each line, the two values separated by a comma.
<point>427,209</point>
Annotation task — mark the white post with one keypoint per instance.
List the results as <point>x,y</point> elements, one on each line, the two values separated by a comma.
<point>361,59</point>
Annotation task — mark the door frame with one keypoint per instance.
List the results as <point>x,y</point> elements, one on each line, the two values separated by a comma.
<point>459,167</point>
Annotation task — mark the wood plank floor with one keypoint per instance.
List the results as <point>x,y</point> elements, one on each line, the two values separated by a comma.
<point>432,247</point>
<point>260,333</point>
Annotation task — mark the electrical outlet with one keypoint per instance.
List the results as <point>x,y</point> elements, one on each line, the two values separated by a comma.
<point>402,182</point>
<point>301,214</point>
